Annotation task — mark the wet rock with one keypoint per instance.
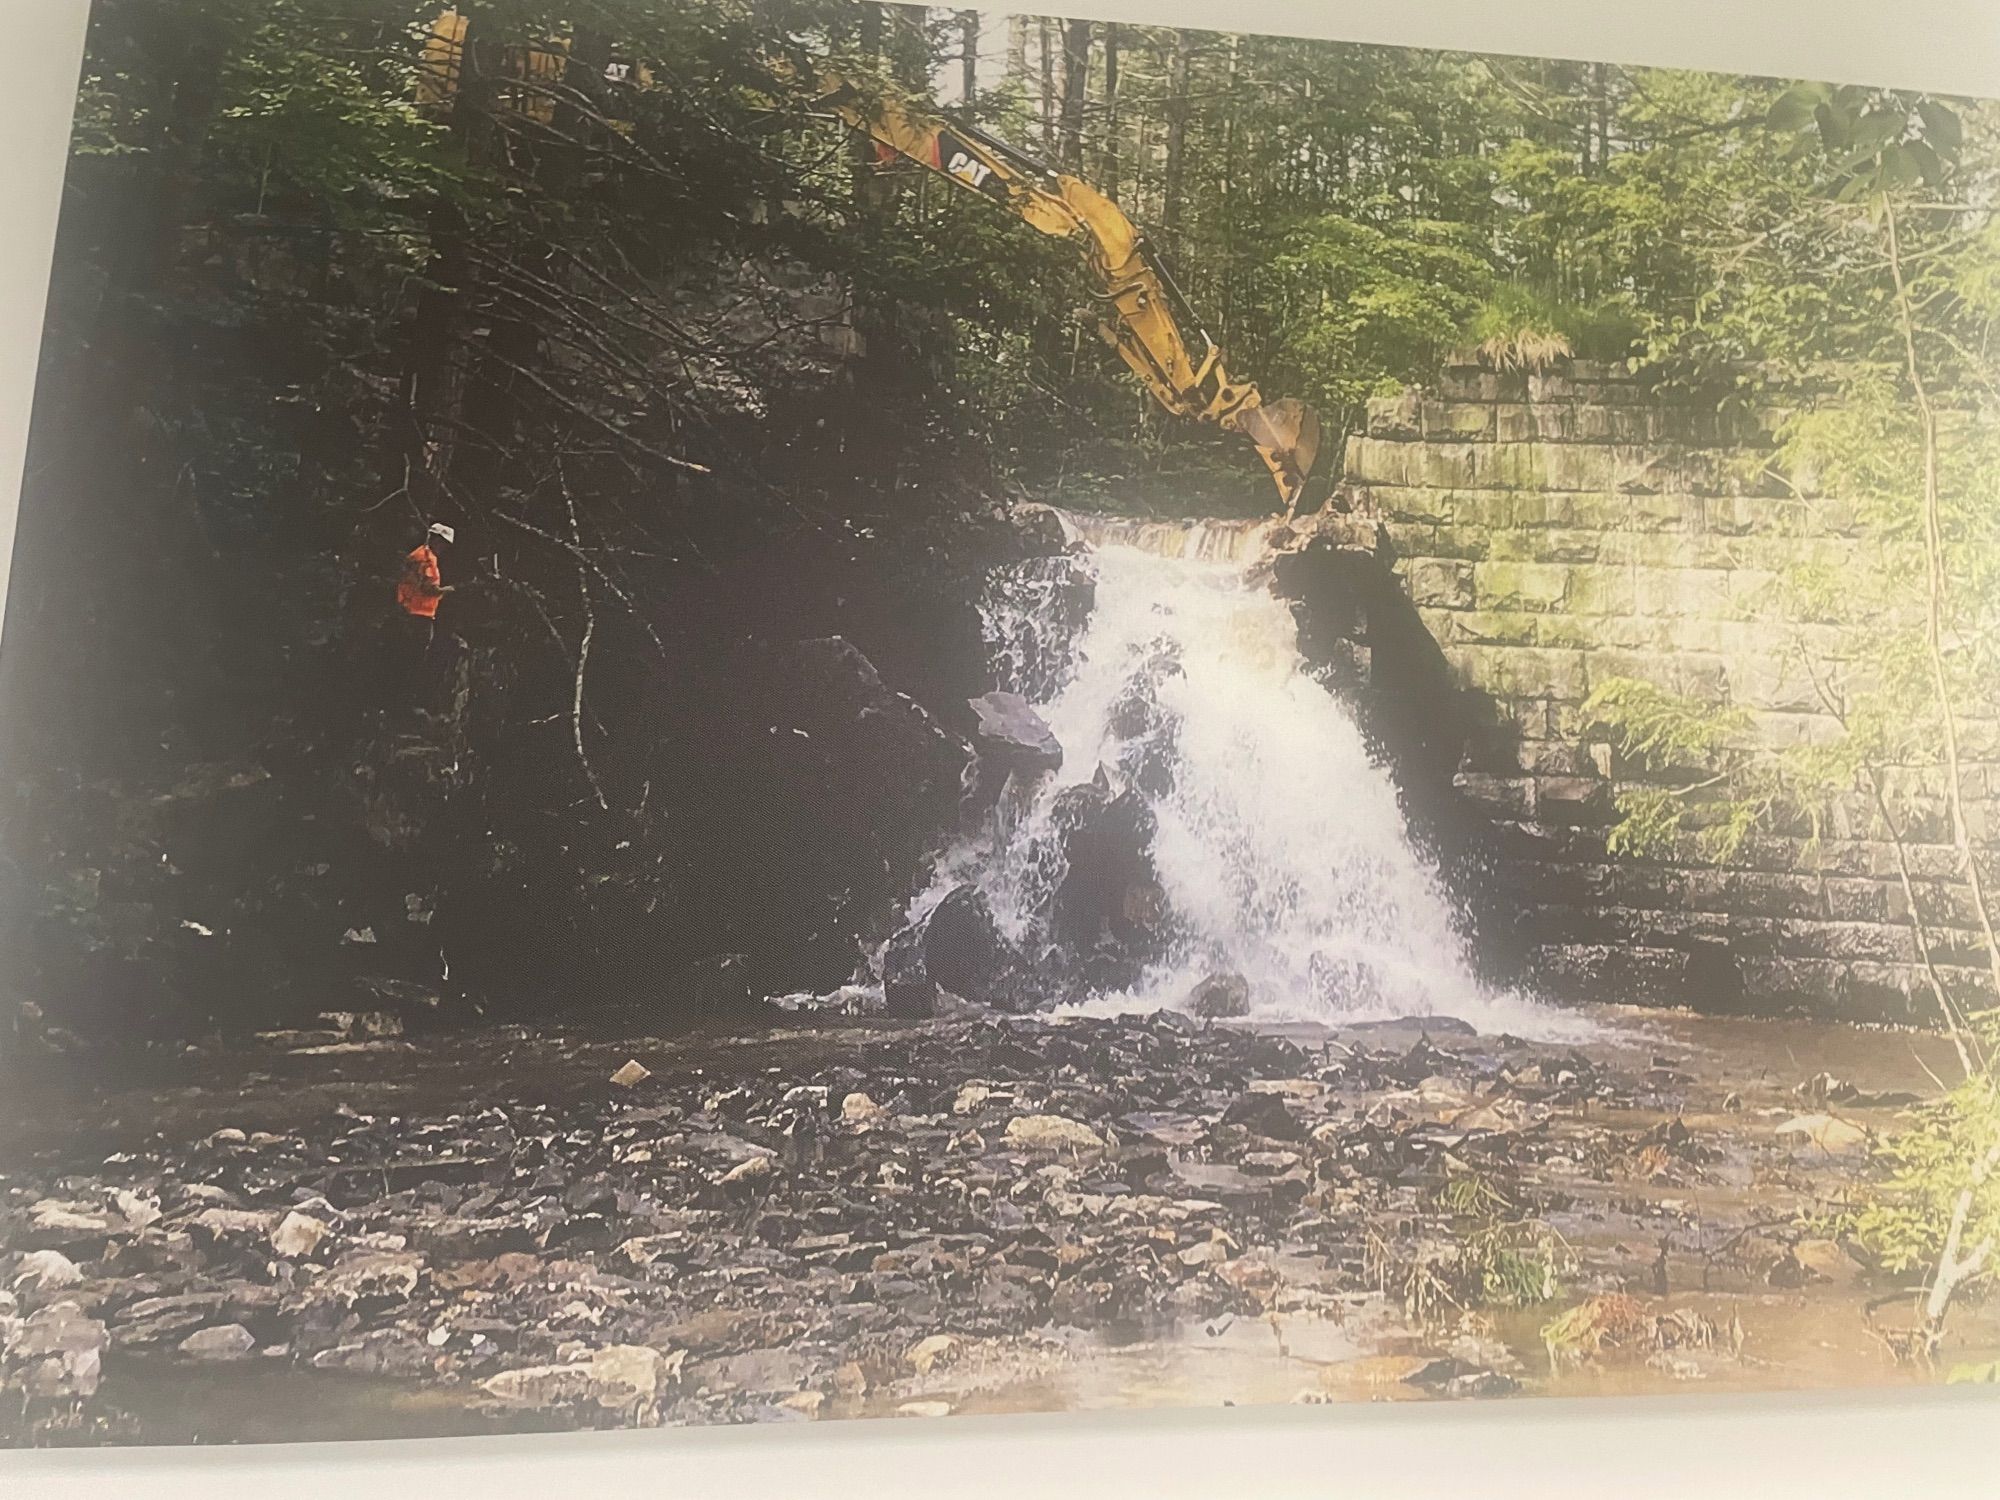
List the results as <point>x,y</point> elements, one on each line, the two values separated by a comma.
<point>1220,997</point>
<point>61,1222</point>
<point>927,1353</point>
<point>1824,1088</point>
<point>1481,1383</point>
<point>762,1372</point>
<point>1052,1133</point>
<point>158,1320</point>
<point>908,991</point>
<point>957,947</point>
<point>965,953</point>
<point>1829,1133</point>
<point>364,1025</point>
<point>844,787</point>
<point>1013,735</point>
<point>234,1223</point>
<point>56,1353</point>
<point>1825,1260</point>
<point>371,1276</point>
<point>45,1271</point>
<point>1265,1115</point>
<point>1269,1163</point>
<point>222,1342</point>
<point>972,1097</point>
<point>850,1381</point>
<point>1429,1025</point>
<point>625,1378</point>
<point>298,1235</point>
<point>455,1237</point>
<point>1046,601</point>
<point>807,1404</point>
<point>1108,877</point>
<point>746,1174</point>
<point>859,1112</point>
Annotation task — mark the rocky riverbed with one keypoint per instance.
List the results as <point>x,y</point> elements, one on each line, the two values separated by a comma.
<point>360,1237</point>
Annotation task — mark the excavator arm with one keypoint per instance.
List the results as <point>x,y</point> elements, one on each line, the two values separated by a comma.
<point>1142,313</point>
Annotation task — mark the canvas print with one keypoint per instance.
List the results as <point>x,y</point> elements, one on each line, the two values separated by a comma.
<point>726,711</point>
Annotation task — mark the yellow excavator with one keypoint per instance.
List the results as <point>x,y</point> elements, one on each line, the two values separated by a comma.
<point>1144,312</point>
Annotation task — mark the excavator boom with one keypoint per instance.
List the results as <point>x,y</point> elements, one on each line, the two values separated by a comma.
<point>1143,313</point>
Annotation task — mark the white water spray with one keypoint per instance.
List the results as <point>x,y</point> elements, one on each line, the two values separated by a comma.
<point>1281,848</point>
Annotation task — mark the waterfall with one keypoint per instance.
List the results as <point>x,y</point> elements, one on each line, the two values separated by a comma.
<point>1280,847</point>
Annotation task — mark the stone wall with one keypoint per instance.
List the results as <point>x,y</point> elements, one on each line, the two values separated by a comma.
<point>1558,529</point>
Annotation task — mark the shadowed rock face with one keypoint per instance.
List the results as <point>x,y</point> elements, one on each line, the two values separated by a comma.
<point>956,948</point>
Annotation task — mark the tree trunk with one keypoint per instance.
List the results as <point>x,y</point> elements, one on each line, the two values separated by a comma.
<point>1600,90</point>
<point>1107,171</point>
<point>1017,51</point>
<point>1076,82</point>
<point>968,56</point>
<point>1045,47</point>
<point>1177,123</point>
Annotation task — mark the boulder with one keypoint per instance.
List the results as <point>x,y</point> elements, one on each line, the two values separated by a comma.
<point>1013,735</point>
<point>379,1276</point>
<point>908,991</point>
<point>955,946</point>
<point>298,1235</point>
<point>224,1341</point>
<point>1219,997</point>
<point>45,1271</point>
<point>1108,888</point>
<point>966,953</point>
<point>56,1353</point>
<point>1265,1115</point>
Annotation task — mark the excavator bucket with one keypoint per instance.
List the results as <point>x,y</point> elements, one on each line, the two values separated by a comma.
<point>1287,437</point>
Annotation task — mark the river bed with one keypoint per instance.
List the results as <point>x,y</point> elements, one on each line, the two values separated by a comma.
<point>1267,1214</point>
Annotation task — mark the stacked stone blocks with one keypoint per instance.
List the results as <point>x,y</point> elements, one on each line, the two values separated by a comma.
<point>1557,529</point>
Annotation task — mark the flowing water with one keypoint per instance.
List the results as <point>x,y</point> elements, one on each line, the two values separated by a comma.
<point>1282,852</point>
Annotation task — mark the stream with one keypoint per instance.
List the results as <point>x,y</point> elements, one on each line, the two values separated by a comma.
<point>1380,1180</point>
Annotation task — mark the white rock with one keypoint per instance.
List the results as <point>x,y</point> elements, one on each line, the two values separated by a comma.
<point>224,1341</point>
<point>756,1169</point>
<point>46,1271</point>
<point>1051,1133</point>
<point>58,1352</point>
<point>861,1112</point>
<point>622,1377</point>
<point>297,1235</point>
<point>232,1221</point>
<point>370,1274</point>
<point>138,1211</point>
<point>927,1352</point>
<point>631,1073</point>
<point>1828,1132</point>
<point>70,1218</point>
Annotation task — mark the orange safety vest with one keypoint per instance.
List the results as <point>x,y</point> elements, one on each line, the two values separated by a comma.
<point>421,587</point>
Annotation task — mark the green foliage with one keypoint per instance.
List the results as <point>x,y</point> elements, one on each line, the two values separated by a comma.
<point>1503,1257</point>
<point>1524,327</point>
<point>1875,141</point>
<point>318,123</point>
<point>1929,1167</point>
<point>1362,308</point>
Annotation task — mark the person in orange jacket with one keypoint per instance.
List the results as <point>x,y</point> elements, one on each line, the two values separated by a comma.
<point>422,588</point>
